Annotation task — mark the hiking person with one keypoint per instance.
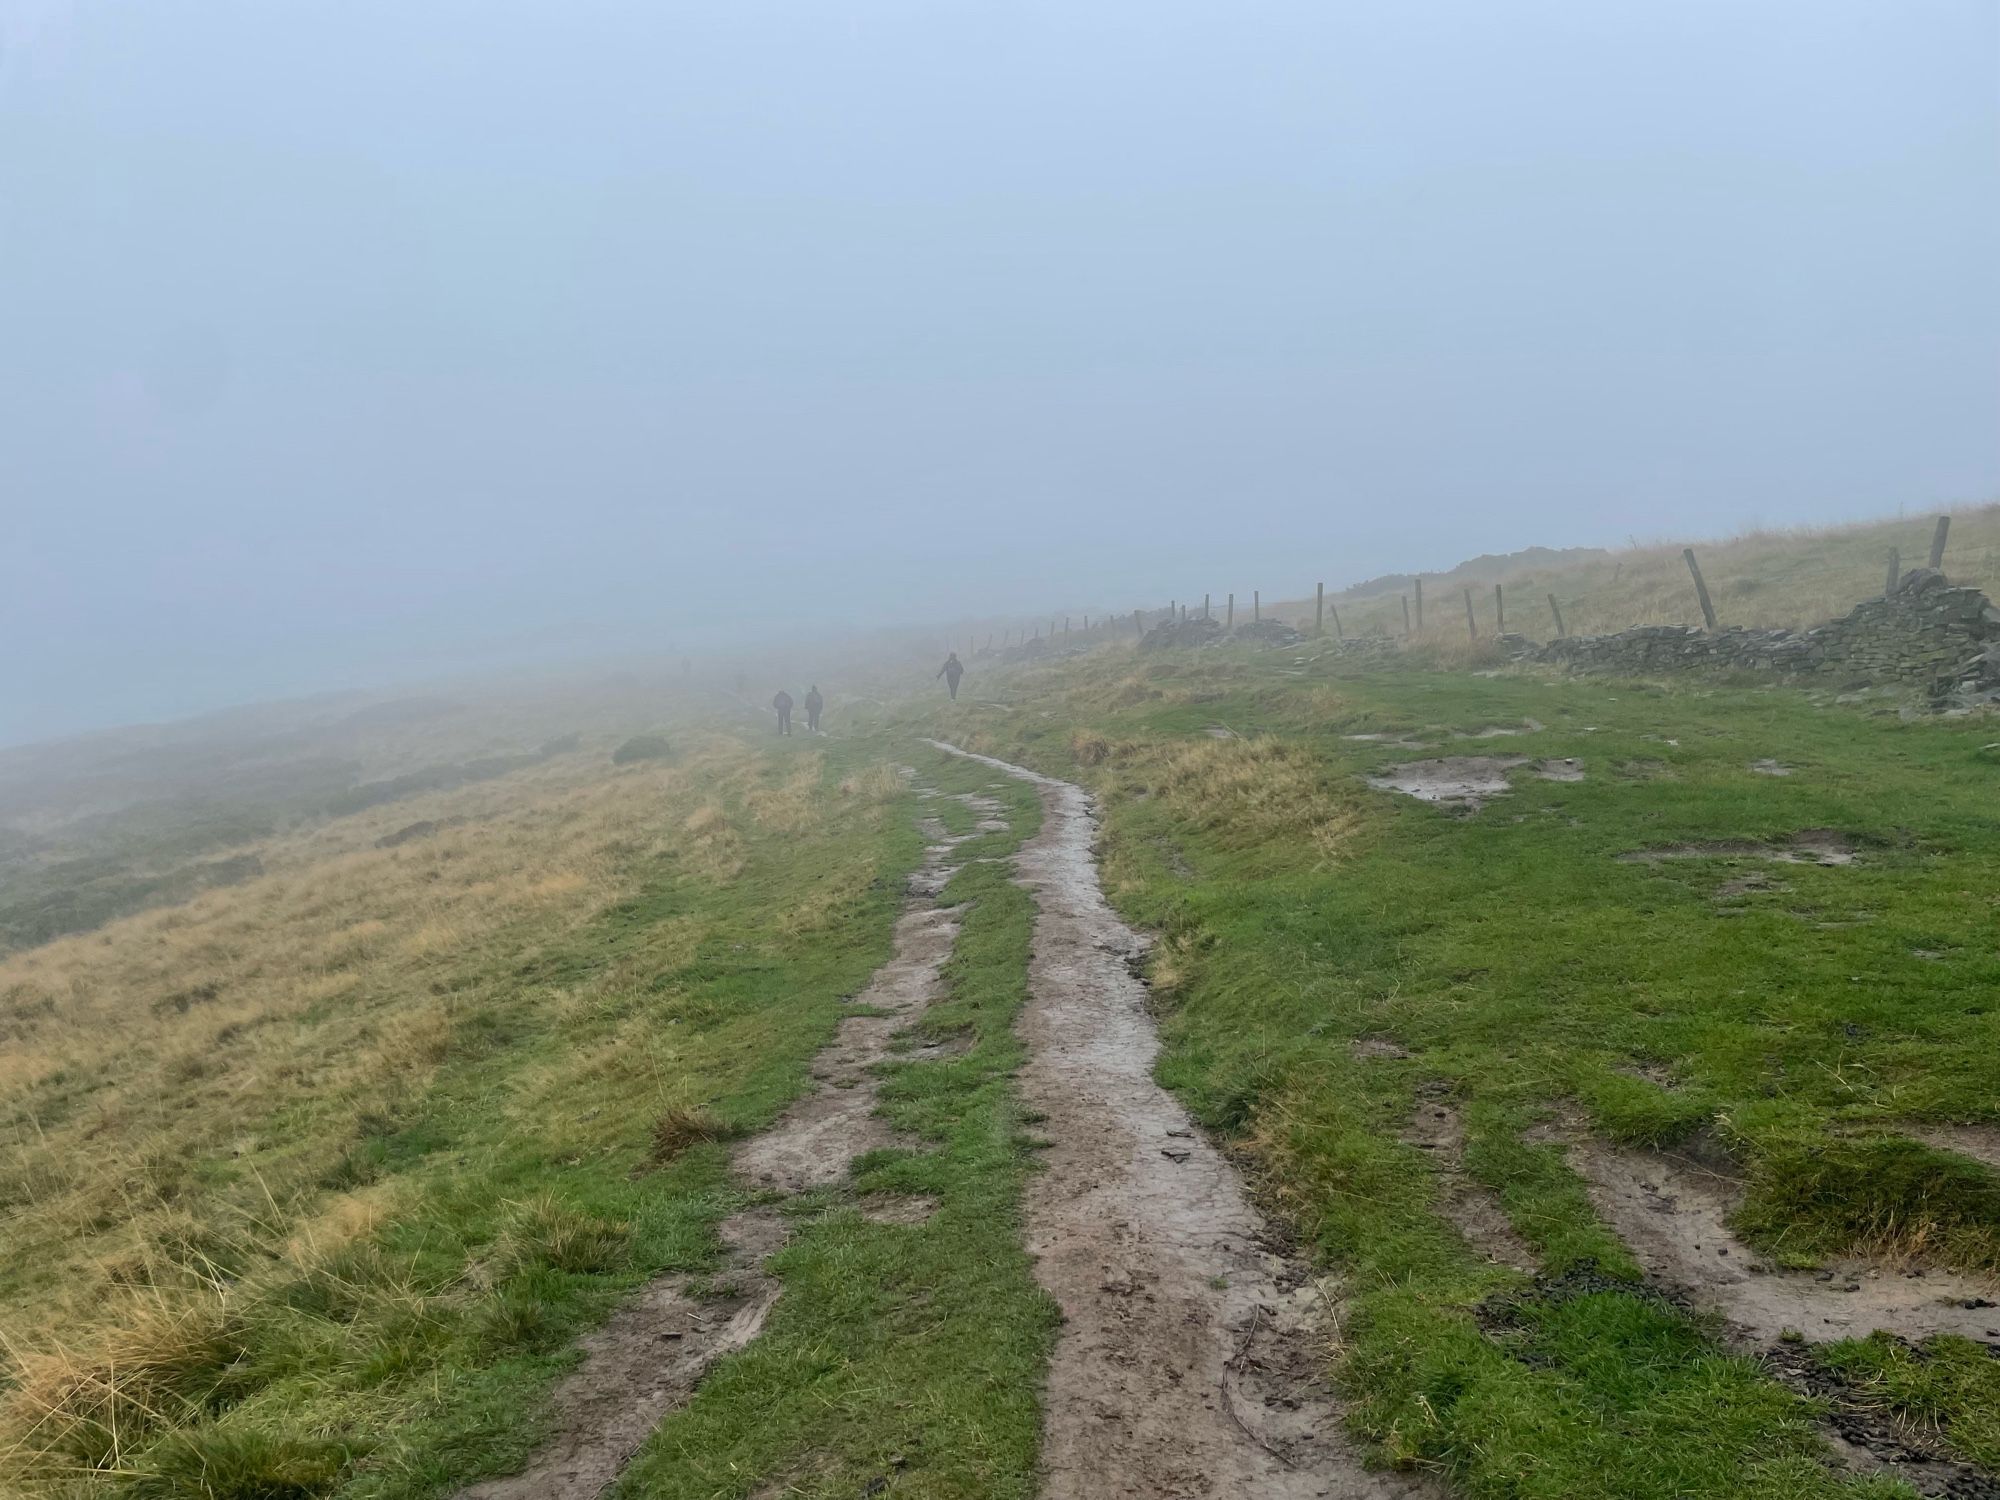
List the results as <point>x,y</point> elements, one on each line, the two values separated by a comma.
<point>783,704</point>
<point>814,704</point>
<point>951,671</point>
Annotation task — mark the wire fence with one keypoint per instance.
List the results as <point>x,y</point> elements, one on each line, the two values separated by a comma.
<point>1766,580</point>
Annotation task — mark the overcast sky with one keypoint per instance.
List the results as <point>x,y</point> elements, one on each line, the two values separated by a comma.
<point>350,340</point>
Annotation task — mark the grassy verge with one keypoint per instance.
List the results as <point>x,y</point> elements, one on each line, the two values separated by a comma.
<point>902,1358</point>
<point>1802,1018</point>
<point>353,1261</point>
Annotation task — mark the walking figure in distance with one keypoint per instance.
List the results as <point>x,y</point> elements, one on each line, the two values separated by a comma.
<point>951,671</point>
<point>814,705</point>
<point>783,704</point>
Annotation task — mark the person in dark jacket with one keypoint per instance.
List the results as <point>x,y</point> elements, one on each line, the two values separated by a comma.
<point>783,704</point>
<point>814,706</point>
<point>951,671</point>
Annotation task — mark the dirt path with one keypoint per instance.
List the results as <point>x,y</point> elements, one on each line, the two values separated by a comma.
<point>649,1358</point>
<point>1190,1362</point>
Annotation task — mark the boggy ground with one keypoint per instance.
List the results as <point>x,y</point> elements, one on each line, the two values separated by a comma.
<point>1334,958</point>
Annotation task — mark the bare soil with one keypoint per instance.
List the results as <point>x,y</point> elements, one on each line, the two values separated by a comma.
<point>814,1141</point>
<point>1811,846</point>
<point>1438,1129</point>
<point>1500,731</point>
<point>1673,1210</point>
<point>1190,1362</point>
<point>1466,783</point>
<point>640,1365</point>
<point>1462,782</point>
<point>1980,1142</point>
<point>650,1356</point>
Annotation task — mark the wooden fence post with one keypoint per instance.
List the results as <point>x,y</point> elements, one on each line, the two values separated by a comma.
<point>1499,611</point>
<point>1319,609</point>
<point>1420,606</point>
<point>1556,610</point>
<point>1256,605</point>
<point>1338,633</point>
<point>1406,616</point>
<point>1700,588</point>
<point>1204,608</point>
<point>1229,619</point>
<point>1895,572</point>
<point>1471,629</point>
<point>1937,543</point>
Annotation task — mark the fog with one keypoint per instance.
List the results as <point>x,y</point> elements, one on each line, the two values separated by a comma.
<point>348,342</point>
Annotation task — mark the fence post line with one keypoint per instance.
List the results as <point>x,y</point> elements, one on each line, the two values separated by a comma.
<point>1700,588</point>
<point>1556,610</point>
<point>1420,603</point>
<point>1319,609</point>
<point>1338,633</point>
<point>1471,629</point>
<point>1406,616</point>
<point>1895,572</point>
<point>1229,620</point>
<point>1937,542</point>
<point>1499,611</point>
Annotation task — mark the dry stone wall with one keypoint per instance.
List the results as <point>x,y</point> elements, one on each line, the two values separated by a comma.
<point>1928,634</point>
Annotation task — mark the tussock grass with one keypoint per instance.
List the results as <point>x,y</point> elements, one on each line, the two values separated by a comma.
<point>681,1126</point>
<point>1247,791</point>
<point>347,1151</point>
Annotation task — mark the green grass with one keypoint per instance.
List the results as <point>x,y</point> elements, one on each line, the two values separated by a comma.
<point>901,1359</point>
<point>525,1189</point>
<point>1529,970</point>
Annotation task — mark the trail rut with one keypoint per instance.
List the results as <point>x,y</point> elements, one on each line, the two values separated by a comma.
<point>1189,1364</point>
<point>652,1354</point>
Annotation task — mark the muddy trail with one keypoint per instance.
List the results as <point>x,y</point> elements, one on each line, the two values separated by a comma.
<point>652,1354</point>
<point>1191,1357</point>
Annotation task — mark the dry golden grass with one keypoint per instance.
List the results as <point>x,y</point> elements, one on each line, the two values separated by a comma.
<point>1254,788</point>
<point>306,995</point>
<point>1791,577</point>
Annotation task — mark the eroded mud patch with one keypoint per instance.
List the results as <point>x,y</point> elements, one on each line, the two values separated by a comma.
<point>1673,1210</point>
<point>816,1140</point>
<point>1189,1363</point>
<point>642,1364</point>
<point>1438,1129</point>
<point>1466,783</point>
<point>1813,846</point>
<point>650,1356</point>
<point>1500,731</point>
<point>898,1208</point>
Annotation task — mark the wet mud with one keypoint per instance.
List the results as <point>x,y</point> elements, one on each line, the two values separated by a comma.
<point>1438,1129</point>
<point>1190,1361</point>
<point>652,1353</point>
<point>1673,1210</point>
